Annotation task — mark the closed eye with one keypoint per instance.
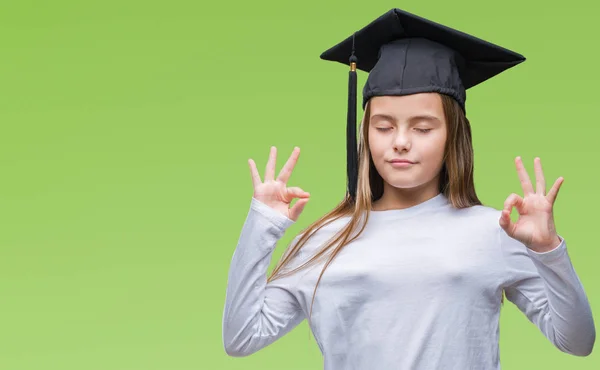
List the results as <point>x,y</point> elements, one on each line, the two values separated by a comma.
<point>382,129</point>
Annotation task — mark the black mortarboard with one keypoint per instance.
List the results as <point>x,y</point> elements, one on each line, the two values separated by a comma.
<point>406,54</point>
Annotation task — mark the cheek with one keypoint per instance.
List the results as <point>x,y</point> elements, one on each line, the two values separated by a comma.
<point>435,148</point>
<point>377,148</point>
<point>376,157</point>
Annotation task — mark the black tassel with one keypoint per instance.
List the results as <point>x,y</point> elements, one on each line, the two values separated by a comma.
<point>351,143</point>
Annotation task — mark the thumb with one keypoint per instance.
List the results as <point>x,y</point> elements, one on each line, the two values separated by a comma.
<point>298,208</point>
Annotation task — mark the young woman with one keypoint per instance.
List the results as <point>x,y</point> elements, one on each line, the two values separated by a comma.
<point>410,267</point>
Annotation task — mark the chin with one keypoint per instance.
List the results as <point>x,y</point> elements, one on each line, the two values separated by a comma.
<point>404,184</point>
<point>405,181</point>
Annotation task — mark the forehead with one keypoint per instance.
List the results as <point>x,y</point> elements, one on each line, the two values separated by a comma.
<point>406,106</point>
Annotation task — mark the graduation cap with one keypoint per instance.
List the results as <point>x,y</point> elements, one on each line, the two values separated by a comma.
<point>406,54</point>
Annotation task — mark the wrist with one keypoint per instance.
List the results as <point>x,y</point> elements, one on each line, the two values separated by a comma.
<point>549,247</point>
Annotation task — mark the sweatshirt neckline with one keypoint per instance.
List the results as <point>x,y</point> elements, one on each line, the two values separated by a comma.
<point>435,202</point>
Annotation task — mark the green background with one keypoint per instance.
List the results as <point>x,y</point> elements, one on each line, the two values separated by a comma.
<point>126,127</point>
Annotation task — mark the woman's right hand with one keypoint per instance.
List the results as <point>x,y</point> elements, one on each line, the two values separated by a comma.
<point>274,192</point>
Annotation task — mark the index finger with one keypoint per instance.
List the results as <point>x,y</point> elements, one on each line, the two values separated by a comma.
<point>286,171</point>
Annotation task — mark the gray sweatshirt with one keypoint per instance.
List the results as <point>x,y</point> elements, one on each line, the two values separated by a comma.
<point>420,289</point>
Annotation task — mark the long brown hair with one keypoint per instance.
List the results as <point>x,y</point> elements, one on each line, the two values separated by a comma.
<point>456,183</point>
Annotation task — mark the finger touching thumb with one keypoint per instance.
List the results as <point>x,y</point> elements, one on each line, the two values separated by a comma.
<point>296,192</point>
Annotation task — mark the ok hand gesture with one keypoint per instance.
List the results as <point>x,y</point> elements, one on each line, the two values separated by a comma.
<point>274,192</point>
<point>535,226</point>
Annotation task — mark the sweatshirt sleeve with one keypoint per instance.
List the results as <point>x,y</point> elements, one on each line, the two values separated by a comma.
<point>545,287</point>
<point>256,313</point>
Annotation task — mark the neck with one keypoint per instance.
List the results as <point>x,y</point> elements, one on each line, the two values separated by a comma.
<point>401,198</point>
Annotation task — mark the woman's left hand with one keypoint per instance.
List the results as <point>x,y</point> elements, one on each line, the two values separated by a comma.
<point>535,226</point>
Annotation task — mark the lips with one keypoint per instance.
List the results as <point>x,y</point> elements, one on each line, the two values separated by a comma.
<point>401,161</point>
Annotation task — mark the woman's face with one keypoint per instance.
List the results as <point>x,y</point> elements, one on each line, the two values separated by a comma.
<point>410,127</point>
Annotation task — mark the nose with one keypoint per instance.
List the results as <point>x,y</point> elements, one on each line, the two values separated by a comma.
<point>402,141</point>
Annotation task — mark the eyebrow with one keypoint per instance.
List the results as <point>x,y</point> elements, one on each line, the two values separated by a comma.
<point>420,117</point>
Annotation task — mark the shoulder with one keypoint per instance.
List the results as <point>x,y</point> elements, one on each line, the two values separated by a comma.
<point>487,219</point>
<point>320,237</point>
<point>480,214</point>
<point>478,221</point>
